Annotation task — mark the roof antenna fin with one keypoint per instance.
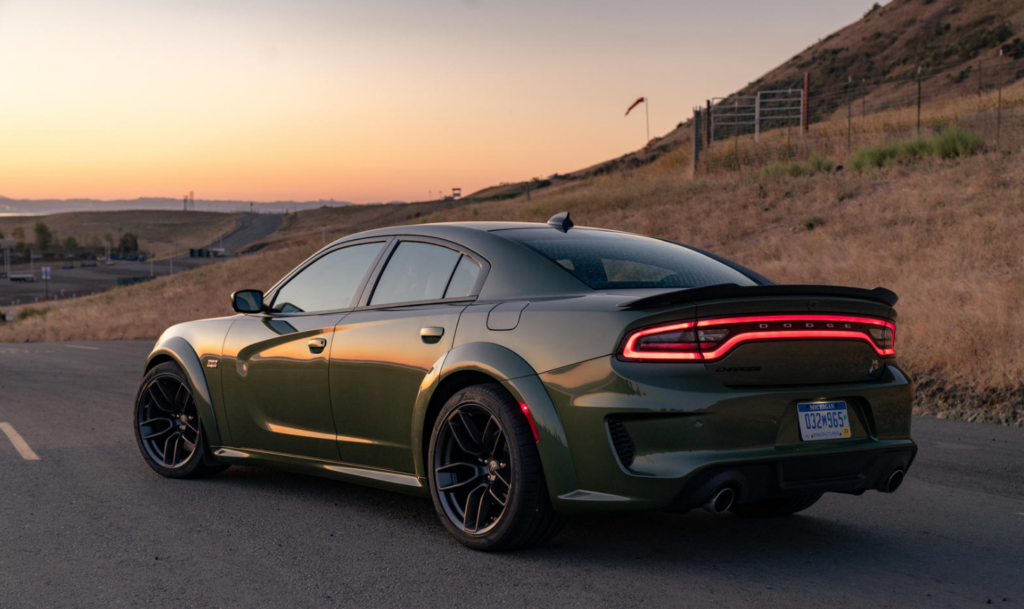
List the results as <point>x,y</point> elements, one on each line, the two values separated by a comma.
<point>561,221</point>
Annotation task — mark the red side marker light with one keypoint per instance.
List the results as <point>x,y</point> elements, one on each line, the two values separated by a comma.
<point>529,419</point>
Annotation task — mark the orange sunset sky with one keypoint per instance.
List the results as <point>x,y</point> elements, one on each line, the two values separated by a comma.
<point>360,101</point>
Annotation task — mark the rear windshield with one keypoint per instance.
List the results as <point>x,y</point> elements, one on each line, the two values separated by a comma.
<point>607,260</point>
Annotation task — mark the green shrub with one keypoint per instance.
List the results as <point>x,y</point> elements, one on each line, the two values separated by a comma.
<point>794,169</point>
<point>951,143</point>
<point>873,157</point>
<point>956,143</point>
<point>909,151</point>
<point>820,165</point>
<point>28,312</point>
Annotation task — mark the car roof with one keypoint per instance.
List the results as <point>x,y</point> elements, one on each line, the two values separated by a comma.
<point>516,270</point>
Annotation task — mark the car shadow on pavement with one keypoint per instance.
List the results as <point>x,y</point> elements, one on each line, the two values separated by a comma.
<point>594,538</point>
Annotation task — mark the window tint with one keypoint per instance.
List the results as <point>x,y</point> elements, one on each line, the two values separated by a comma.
<point>329,283</point>
<point>463,279</point>
<point>606,260</point>
<point>416,271</point>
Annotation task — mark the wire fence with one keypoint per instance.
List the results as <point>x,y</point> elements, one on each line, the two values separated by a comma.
<point>831,122</point>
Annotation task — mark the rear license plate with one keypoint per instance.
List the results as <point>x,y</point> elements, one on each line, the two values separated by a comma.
<point>823,421</point>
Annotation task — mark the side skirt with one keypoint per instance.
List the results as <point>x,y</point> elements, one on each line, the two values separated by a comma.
<point>346,472</point>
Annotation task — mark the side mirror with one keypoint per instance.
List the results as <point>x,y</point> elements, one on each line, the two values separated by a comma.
<point>247,301</point>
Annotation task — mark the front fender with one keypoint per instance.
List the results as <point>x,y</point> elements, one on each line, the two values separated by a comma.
<point>522,382</point>
<point>179,350</point>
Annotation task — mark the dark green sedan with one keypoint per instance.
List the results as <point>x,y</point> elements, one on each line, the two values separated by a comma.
<point>518,373</point>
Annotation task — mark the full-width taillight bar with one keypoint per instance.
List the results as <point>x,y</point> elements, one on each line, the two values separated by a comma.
<point>712,339</point>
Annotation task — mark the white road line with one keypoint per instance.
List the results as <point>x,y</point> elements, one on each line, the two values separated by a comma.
<point>82,347</point>
<point>19,443</point>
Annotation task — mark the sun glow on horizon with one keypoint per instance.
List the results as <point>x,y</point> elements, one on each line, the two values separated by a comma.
<point>361,102</point>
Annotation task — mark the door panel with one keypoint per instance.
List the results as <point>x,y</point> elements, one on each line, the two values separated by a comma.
<point>379,358</point>
<point>275,376</point>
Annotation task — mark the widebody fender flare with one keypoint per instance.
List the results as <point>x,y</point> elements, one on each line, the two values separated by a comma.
<point>179,350</point>
<point>519,378</point>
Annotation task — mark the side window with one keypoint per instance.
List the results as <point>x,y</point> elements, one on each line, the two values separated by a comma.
<point>416,271</point>
<point>463,279</point>
<point>328,284</point>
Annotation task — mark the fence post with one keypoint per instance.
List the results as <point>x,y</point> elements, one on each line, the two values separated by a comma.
<point>919,101</point>
<point>757,118</point>
<point>980,65</point>
<point>805,112</point>
<point>849,117</point>
<point>698,136</point>
<point>707,132</point>
<point>999,103</point>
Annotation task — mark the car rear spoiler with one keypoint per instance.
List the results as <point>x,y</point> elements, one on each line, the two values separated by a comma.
<point>727,291</point>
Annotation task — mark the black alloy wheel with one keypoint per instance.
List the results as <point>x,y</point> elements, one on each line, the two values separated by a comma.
<point>473,469</point>
<point>168,421</point>
<point>168,427</point>
<point>486,476</point>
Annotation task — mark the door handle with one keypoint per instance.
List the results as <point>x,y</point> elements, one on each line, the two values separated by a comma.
<point>431,334</point>
<point>317,345</point>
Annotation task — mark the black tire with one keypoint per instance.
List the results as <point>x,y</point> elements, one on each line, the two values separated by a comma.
<point>167,423</point>
<point>774,508</point>
<point>487,419</point>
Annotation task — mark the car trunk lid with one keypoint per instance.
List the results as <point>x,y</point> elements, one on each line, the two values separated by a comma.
<point>772,337</point>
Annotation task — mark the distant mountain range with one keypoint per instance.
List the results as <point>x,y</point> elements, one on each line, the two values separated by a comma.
<point>54,206</point>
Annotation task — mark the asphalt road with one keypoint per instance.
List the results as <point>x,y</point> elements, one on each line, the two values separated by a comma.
<point>88,524</point>
<point>253,228</point>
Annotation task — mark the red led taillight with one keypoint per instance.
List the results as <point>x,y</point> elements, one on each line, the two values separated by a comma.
<point>712,339</point>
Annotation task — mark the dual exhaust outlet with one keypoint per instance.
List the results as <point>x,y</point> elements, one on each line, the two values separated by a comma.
<point>724,497</point>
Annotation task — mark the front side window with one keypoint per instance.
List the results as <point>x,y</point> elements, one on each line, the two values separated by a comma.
<point>329,283</point>
<point>415,272</point>
<point>609,260</point>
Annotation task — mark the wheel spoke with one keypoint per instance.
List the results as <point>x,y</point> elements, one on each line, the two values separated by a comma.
<point>473,501</point>
<point>482,510</point>
<point>188,444</point>
<point>150,434</point>
<point>448,477</point>
<point>168,456</point>
<point>499,478</point>
<point>466,433</point>
<point>194,428</point>
<point>501,500</point>
<point>159,398</point>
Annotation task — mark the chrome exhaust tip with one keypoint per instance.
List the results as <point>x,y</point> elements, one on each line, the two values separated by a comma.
<point>721,501</point>
<point>894,481</point>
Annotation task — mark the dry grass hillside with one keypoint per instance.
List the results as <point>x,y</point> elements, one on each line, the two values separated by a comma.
<point>156,230</point>
<point>879,54</point>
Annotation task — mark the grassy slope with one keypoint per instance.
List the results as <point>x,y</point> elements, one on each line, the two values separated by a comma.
<point>156,230</point>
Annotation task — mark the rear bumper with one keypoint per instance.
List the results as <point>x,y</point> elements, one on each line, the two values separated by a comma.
<point>845,472</point>
<point>691,436</point>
